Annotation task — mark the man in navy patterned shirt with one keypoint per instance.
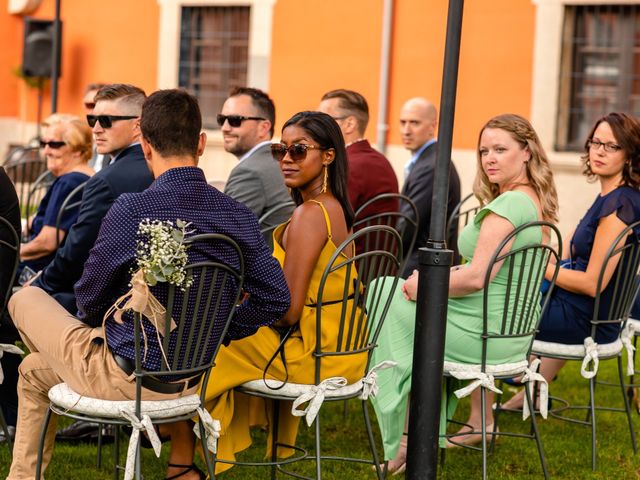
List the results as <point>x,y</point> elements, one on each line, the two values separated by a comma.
<point>82,353</point>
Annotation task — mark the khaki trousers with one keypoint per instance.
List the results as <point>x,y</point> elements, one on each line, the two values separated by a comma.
<point>62,350</point>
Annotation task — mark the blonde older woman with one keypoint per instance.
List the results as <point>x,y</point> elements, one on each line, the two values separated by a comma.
<point>67,144</point>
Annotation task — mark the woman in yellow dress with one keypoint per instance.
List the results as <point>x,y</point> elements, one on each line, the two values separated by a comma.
<point>313,161</point>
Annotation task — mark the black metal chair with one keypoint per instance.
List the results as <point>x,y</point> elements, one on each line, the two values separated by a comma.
<point>358,333</point>
<point>209,304</point>
<point>11,247</point>
<point>266,221</point>
<point>623,290</point>
<point>73,200</point>
<point>521,309</point>
<point>37,191</point>
<point>464,211</point>
<point>395,219</point>
<point>24,173</point>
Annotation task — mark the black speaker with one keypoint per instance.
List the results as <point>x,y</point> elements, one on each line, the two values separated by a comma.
<point>37,54</point>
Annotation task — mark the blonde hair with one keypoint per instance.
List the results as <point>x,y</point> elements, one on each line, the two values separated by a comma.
<point>75,132</point>
<point>539,172</point>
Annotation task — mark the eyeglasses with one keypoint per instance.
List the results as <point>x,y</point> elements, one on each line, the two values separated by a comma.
<point>106,121</point>
<point>608,147</point>
<point>52,144</point>
<point>234,120</point>
<point>89,106</point>
<point>297,151</point>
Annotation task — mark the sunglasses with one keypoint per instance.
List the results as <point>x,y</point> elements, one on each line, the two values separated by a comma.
<point>106,121</point>
<point>297,151</point>
<point>234,120</point>
<point>52,144</point>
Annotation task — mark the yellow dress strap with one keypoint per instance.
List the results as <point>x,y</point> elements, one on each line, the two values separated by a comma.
<point>326,216</point>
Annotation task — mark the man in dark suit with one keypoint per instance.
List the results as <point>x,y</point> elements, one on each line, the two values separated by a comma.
<point>116,130</point>
<point>247,120</point>
<point>418,122</point>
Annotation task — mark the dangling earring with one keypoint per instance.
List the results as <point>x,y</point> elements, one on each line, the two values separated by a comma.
<point>324,181</point>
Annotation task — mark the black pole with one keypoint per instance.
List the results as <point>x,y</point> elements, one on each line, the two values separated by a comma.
<point>433,286</point>
<point>55,68</point>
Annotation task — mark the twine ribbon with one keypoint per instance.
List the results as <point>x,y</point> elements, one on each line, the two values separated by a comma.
<point>140,299</point>
<point>137,426</point>
<point>8,348</point>
<point>626,335</point>
<point>591,355</point>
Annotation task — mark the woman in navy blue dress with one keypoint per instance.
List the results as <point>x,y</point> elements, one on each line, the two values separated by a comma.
<point>67,144</point>
<point>612,157</point>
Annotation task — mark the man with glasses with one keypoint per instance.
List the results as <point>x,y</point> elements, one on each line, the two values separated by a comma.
<point>370,173</point>
<point>246,121</point>
<point>97,160</point>
<point>116,131</point>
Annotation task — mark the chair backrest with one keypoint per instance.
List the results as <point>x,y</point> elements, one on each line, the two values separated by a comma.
<point>397,220</point>
<point>522,269</point>
<point>266,221</point>
<point>24,174</point>
<point>37,191</point>
<point>202,311</point>
<point>73,201</point>
<point>9,252</point>
<point>359,304</point>
<point>464,211</point>
<point>613,302</point>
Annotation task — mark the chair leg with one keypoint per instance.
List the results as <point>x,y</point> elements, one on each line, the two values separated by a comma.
<point>483,409</point>
<point>138,473</point>
<point>43,435</point>
<point>274,437</point>
<point>5,430</point>
<point>592,415</point>
<point>209,457</point>
<point>116,453</point>
<point>372,442</point>
<point>99,456</point>
<point>627,408</point>
<point>318,464</point>
<point>535,432</point>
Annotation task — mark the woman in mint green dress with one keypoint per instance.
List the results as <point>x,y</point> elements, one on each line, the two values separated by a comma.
<point>515,186</point>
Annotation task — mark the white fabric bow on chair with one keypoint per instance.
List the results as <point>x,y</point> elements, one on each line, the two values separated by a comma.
<point>369,383</point>
<point>138,425</point>
<point>9,348</point>
<point>211,429</point>
<point>315,397</point>
<point>591,355</point>
<point>626,335</point>
<point>530,377</point>
<point>480,379</point>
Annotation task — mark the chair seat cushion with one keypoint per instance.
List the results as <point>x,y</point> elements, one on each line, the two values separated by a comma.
<point>63,396</point>
<point>605,350</point>
<point>295,390</point>
<point>636,325</point>
<point>499,370</point>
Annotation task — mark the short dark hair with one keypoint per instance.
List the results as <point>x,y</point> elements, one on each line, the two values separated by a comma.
<point>171,122</point>
<point>93,86</point>
<point>261,101</point>
<point>352,103</point>
<point>626,129</point>
<point>128,94</point>
<point>324,130</point>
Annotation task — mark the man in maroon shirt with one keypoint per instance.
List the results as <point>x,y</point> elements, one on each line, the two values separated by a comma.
<point>370,173</point>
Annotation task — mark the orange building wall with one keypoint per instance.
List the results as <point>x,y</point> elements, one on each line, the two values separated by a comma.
<point>114,44</point>
<point>319,45</point>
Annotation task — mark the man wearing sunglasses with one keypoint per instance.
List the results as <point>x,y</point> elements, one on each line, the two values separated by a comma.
<point>97,159</point>
<point>116,132</point>
<point>246,121</point>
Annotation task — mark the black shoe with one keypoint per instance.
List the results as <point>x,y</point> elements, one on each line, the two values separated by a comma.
<point>82,431</point>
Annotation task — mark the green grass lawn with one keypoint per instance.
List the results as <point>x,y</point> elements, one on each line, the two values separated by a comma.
<point>567,446</point>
